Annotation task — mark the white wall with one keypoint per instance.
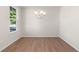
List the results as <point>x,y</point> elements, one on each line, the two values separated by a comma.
<point>6,38</point>
<point>69,25</point>
<point>45,27</point>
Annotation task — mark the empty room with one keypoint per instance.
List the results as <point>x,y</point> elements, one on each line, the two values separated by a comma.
<point>39,28</point>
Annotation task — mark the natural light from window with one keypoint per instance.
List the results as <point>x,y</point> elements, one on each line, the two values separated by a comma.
<point>12,19</point>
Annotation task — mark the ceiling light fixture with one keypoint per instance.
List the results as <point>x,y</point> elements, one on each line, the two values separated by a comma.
<point>40,13</point>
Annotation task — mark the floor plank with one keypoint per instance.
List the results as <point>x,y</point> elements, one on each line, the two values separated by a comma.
<point>39,45</point>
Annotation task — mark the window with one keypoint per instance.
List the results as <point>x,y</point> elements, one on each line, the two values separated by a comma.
<point>12,19</point>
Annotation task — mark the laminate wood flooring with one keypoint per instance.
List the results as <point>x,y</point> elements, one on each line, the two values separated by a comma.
<point>39,45</point>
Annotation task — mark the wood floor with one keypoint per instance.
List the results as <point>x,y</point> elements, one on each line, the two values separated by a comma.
<point>39,45</point>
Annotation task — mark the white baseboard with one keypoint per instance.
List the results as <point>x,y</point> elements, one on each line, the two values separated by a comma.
<point>69,43</point>
<point>40,36</point>
<point>8,45</point>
